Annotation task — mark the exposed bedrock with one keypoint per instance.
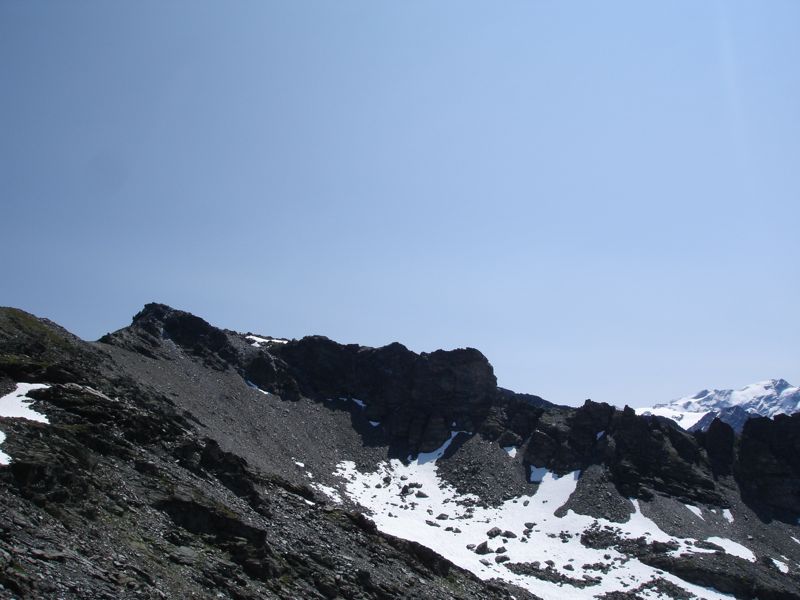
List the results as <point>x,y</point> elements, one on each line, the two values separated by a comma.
<point>419,398</point>
<point>768,464</point>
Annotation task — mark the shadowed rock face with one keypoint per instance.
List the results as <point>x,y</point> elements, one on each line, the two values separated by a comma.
<point>768,462</point>
<point>642,454</point>
<point>158,321</point>
<point>719,440</point>
<point>654,453</point>
<point>765,460</point>
<point>419,398</point>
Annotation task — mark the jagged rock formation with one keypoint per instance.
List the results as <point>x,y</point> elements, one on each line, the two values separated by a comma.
<point>184,459</point>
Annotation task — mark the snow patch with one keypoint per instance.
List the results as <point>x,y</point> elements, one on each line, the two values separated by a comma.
<point>728,515</point>
<point>4,458</point>
<point>16,405</point>
<point>255,387</point>
<point>329,491</point>
<point>510,450</point>
<point>733,548</point>
<point>682,417</point>
<point>599,435</point>
<point>782,566</point>
<point>258,341</point>
<point>375,423</point>
<point>695,510</point>
<point>299,464</point>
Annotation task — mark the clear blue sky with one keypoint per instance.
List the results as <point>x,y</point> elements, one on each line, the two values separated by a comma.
<point>603,197</point>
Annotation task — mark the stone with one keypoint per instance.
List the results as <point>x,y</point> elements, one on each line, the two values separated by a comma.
<point>483,548</point>
<point>183,555</point>
<point>494,532</point>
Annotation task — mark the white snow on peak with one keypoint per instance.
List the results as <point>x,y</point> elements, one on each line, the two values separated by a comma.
<point>259,341</point>
<point>766,398</point>
<point>683,418</point>
<point>408,499</point>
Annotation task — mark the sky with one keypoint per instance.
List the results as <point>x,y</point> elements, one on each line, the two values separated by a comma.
<point>602,197</point>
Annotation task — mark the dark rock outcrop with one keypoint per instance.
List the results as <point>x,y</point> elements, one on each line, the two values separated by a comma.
<point>719,439</point>
<point>419,398</point>
<point>767,466</point>
<point>642,454</point>
<point>653,454</point>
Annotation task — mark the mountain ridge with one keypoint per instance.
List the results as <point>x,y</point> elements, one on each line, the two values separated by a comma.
<point>240,467</point>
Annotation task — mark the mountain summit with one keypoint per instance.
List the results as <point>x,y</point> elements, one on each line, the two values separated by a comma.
<point>763,399</point>
<point>175,459</point>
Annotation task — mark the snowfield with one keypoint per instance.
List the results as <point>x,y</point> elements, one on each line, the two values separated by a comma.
<point>411,501</point>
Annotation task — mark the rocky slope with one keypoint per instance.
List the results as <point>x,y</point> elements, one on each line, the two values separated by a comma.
<point>734,407</point>
<point>181,460</point>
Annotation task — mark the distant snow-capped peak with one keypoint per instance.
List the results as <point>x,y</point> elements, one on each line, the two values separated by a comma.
<point>765,398</point>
